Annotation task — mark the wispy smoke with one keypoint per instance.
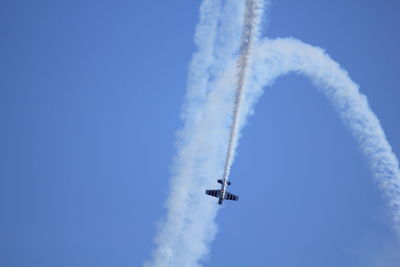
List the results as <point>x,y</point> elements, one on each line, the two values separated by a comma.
<point>226,79</point>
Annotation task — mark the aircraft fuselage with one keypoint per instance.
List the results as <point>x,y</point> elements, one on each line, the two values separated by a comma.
<point>222,193</point>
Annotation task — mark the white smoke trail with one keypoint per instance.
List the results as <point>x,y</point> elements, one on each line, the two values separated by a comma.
<point>281,56</point>
<point>173,227</point>
<point>189,226</point>
<point>250,33</point>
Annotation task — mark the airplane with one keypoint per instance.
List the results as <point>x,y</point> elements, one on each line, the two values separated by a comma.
<point>222,193</point>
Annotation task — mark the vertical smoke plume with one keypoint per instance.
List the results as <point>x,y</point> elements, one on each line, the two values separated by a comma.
<point>250,33</point>
<point>215,74</point>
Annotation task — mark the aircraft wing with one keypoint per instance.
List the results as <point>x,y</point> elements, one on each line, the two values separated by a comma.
<point>230,196</point>
<point>214,193</point>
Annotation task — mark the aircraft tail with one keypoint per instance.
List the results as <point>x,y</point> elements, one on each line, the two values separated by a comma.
<point>221,182</point>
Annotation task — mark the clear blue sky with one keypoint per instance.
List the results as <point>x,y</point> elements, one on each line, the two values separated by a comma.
<point>90,96</point>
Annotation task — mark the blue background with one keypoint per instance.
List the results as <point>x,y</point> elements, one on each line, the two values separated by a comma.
<point>90,96</point>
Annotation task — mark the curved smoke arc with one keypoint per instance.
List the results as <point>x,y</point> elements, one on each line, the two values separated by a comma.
<point>285,55</point>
